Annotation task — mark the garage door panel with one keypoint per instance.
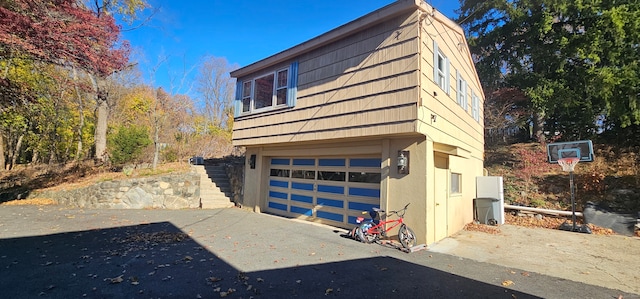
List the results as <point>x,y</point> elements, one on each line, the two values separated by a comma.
<point>301,198</point>
<point>331,190</point>
<point>279,183</point>
<point>278,206</point>
<point>338,217</point>
<point>328,202</point>
<point>364,192</point>
<point>301,210</point>
<point>278,195</point>
<point>302,186</point>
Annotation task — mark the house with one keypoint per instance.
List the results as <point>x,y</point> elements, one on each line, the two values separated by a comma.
<point>380,112</point>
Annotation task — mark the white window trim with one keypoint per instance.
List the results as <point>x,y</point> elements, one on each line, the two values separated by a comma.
<point>462,92</point>
<point>440,76</point>
<point>274,94</point>
<point>459,191</point>
<point>475,106</point>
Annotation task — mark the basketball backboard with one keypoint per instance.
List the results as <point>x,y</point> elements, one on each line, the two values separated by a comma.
<point>582,149</point>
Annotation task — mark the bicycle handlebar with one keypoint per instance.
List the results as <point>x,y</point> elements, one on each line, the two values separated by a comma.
<point>393,212</point>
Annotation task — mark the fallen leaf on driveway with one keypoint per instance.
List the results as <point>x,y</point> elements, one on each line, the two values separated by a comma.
<point>115,279</point>
<point>507,283</point>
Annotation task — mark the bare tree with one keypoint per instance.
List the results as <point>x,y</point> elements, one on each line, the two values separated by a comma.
<point>505,114</point>
<point>215,88</point>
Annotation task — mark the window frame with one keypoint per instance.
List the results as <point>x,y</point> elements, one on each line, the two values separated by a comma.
<point>274,92</point>
<point>462,98</point>
<point>475,106</point>
<point>440,75</point>
<point>283,95</point>
<point>458,186</point>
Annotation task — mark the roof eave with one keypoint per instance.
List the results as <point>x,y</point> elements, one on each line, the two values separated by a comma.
<point>367,20</point>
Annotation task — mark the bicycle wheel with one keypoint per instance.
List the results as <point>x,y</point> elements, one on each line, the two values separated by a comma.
<point>363,233</point>
<point>407,237</point>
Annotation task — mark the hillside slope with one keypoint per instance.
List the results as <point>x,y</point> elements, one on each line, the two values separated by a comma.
<point>611,181</point>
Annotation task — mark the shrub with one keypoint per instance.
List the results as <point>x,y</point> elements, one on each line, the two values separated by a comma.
<point>127,143</point>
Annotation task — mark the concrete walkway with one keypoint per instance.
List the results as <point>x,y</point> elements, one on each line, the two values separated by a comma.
<point>53,252</point>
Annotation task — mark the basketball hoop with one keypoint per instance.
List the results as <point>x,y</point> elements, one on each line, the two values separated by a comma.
<point>568,164</point>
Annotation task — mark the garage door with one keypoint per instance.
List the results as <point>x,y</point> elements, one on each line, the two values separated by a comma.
<point>330,190</point>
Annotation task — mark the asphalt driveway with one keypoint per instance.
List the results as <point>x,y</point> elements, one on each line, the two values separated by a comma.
<point>54,252</point>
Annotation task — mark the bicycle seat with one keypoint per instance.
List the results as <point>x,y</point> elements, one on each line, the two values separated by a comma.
<point>378,210</point>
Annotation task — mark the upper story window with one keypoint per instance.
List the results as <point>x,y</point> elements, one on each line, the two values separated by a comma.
<point>462,92</point>
<point>267,91</point>
<point>475,107</point>
<point>440,68</point>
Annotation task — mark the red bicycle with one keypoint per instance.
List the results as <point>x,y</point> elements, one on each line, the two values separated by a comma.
<point>370,231</point>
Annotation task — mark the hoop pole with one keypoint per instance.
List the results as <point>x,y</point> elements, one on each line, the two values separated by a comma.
<point>573,200</point>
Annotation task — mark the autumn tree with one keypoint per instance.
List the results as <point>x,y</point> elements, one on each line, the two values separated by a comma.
<point>574,61</point>
<point>67,33</point>
<point>215,88</point>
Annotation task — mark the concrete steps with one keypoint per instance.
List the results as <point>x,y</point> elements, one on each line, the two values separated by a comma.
<point>215,190</point>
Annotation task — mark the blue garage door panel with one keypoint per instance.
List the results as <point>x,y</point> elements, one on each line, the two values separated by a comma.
<point>277,194</point>
<point>330,216</point>
<point>301,186</point>
<point>301,198</point>
<point>281,184</point>
<point>277,206</point>
<point>366,192</point>
<point>331,189</point>
<point>330,202</point>
<point>302,211</point>
<point>280,161</point>
<point>361,206</point>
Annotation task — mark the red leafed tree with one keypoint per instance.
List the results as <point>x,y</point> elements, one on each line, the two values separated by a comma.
<point>62,32</point>
<point>65,32</point>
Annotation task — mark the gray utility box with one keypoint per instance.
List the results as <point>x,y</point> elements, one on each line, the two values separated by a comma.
<point>489,201</point>
<point>488,210</point>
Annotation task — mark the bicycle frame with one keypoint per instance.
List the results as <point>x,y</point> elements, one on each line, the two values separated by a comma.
<point>381,226</point>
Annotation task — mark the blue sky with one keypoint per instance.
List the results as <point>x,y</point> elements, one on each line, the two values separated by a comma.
<point>181,33</point>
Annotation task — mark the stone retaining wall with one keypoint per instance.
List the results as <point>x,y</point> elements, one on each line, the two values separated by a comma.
<point>235,172</point>
<point>170,191</point>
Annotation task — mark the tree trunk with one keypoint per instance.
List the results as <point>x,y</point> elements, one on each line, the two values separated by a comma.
<point>34,158</point>
<point>102,116</point>
<point>156,144</point>
<point>16,152</point>
<point>81,114</point>
<point>2,158</point>
<point>538,126</point>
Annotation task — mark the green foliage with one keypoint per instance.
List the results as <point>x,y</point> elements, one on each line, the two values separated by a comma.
<point>576,61</point>
<point>127,143</point>
<point>170,155</point>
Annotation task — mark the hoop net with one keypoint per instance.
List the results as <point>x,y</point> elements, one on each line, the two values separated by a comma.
<point>568,164</point>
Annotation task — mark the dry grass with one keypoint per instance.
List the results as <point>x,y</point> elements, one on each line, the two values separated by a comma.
<point>31,201</point>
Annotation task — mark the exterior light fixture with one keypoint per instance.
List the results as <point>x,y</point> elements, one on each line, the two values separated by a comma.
<point>403,162</point>
<point>434,117</point>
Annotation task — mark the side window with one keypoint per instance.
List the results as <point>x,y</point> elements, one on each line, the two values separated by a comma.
<point>475,107</point>
<point>462,92</point>
<point>456,183</point>
<point>267,91</point>
<point>440,68</point>
<point>246,96</point>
